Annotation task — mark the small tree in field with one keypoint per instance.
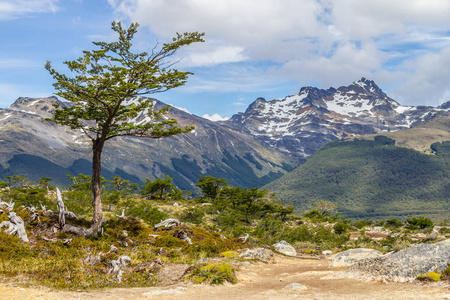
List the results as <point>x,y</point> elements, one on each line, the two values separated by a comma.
<point>104,96</point>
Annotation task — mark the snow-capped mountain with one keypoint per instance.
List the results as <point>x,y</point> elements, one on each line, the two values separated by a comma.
<point>300,124</point>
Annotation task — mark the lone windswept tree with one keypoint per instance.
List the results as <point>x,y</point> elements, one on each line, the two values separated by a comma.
<point>104,96</point>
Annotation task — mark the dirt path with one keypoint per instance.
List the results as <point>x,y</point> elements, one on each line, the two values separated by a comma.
<point>256,281</point>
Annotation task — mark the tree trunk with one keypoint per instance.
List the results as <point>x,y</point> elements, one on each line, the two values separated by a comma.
<point>97,218</point>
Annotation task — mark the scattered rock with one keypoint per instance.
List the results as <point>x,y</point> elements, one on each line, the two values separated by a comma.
<point>327,252</point>
<point>285,248</point>
<point>349,257</point>
<point>295,286</point>
<point>262,254</point>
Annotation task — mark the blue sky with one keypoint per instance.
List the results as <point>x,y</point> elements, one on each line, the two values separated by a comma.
<point>253,48</point>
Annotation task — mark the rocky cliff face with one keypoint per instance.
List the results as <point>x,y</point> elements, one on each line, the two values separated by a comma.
<point>33,147</point>
<point>298,125</point>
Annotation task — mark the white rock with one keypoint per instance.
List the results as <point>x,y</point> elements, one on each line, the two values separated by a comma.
<point>285,248</point>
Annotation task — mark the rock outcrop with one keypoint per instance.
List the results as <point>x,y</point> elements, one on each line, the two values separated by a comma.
<point>262,254</point>
<point>402,266</point>
<point>352,256</point>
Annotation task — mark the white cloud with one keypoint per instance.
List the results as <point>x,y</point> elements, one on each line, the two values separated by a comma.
<point>215,117</point>
<point>401,43</point>
<point>215,56</point>
<point>14,9</point>
<point>428,82</point>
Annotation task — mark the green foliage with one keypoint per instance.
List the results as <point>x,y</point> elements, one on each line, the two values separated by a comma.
<point>384,140</point>
<point>192,215</point>
<point>446,273</point>
<point>104,95</point>
<point>160,188</point>
<point>28,196</point>
<point>146,212</point>
<point>431,276</point>
<point>340,228</point>
<point>419,223</point>
<point>210,186</point>
<point>229,254</point>
<point>122,185</point>
<point>215,273</point>
<point>393,223</point>
<point>11,247</point>
<point>362,223</point>
<point>82,182</point>
<point>317,216</point>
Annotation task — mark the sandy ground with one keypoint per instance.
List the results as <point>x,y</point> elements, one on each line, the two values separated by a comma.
<point>256,281</point>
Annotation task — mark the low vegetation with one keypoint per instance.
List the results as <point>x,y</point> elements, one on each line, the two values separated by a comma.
<point>212,221</point>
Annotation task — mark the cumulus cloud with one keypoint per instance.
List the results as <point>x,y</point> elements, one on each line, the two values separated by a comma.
<point>215,117</point>
<point>13,9</point>
<point>401,44</point>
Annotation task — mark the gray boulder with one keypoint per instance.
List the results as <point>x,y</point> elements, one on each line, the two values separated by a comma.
<point>349,257</point>
<point>263,254</point>
<point>285,248</point>
<point>405,265</point>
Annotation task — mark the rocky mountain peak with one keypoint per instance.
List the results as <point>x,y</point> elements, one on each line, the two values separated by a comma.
<point>367,86</point>
<point>35,105</point>
<point>300,124</point>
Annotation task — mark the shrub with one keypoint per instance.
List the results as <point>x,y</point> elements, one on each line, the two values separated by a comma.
<point>446,273</point>
<point>340,228</point>
<point>419,223</point>
<point>229,254</point>
<point>394,223</point>
<point>192,215</point>
<point>215,273</point>
<point>362,223</point>
<point>147,213</point>
<point>431,276</point>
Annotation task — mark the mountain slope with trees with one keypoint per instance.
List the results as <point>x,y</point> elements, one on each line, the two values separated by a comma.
<point>372,179</point>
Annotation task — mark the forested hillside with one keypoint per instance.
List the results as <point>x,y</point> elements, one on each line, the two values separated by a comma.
<point>372,179</point>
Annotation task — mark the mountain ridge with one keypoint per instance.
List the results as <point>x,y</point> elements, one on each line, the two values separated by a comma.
<point>299,125</point>
<point>210,148</point>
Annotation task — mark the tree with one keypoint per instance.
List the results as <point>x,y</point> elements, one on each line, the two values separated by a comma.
<point>44,182</point>
<point>122,185</point>
<point>20,180</point>
<point>325,207</point>
<point>211,186</point>
<point>249,199</point>
<point>104,96</point>
<point>160,187</point>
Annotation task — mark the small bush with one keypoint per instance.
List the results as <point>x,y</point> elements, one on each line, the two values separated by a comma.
<point>229,254</point>
<point>362,223</point>
<point>431,276</point>
<point>446,273</point>
<point>146,212</point>
<point>394,223</point>
<point>340,228</point>
<point>419,223</point>
<point>215,273</point>
<point>192,215</point>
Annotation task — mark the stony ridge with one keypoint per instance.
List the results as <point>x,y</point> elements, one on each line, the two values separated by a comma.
<point>300,124</point>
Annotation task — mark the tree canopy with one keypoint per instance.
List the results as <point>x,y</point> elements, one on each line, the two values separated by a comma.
<point>105,100</point>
